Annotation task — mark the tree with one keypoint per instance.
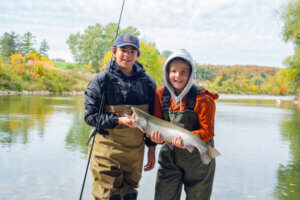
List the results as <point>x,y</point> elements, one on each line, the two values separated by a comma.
<point>291,32</point>
<point>166,53</point>
<point>27,43</point>
<point>152,61</point>
<point>291,18</point>
<point>91,46</point>
<point>44,47</point>
<point>9,44</point>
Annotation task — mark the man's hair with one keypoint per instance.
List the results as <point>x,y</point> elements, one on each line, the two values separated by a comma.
<point>114,50</point>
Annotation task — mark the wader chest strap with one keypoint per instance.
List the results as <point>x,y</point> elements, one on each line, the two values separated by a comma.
<point>191,100</point>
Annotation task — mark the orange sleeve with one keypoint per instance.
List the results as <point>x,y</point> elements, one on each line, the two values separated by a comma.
<point>205,108</point>
<point>157,112</point>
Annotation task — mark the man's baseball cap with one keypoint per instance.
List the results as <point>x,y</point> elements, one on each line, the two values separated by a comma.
<point>128,39</point>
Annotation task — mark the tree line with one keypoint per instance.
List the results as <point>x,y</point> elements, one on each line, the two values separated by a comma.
<point>12,43</point>
<point>91,49</point>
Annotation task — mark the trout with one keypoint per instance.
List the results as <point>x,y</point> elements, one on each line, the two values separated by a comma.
<point>168,131</point>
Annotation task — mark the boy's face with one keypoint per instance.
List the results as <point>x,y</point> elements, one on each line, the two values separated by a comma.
<point>125,57</point>
<point>179,74</point>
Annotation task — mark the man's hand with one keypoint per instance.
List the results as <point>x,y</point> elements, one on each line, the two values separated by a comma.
<point>151,159</point>
<point>126,121</point>
<point>177,141</point>
<point>156,137</point>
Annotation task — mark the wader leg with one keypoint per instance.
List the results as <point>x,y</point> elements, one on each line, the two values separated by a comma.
<point>169,177</point>
<point>108,178</point>
<point>198,181</point>
<point>133,171</point>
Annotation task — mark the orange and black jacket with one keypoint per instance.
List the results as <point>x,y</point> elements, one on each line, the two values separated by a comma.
<point>205,108</point>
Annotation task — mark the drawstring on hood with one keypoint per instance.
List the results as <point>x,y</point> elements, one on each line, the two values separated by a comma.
<point>183,54</point>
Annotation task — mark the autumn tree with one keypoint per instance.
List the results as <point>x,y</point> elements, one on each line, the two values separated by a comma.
<point>152,61</point>
<point>91,46</point>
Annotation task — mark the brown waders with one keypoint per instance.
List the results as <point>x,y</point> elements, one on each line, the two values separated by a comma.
<point>117,158</point>
<point>180,167</point>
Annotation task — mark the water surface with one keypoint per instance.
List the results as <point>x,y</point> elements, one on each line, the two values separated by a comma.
<point>43,153</point>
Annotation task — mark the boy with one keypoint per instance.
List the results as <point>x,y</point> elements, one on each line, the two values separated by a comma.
<point>181,102</point>
<point>117,158</point>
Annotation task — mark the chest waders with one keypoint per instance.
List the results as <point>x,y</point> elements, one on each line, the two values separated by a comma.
<point>117,159</point>
<point>178,166</point>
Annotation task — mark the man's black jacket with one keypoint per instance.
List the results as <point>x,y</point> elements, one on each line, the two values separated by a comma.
<point>137,89</point>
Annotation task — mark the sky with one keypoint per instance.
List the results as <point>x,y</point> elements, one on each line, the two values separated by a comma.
<point>223,32</point>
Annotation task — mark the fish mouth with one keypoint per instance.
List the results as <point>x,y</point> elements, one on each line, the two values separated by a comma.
<point>133,113</point>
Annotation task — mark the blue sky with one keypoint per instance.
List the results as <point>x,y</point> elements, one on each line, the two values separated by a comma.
<point>214,31</point>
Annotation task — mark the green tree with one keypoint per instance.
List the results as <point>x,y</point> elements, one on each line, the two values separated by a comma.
<point>27,43</point>
<point>9,44</point>
<point>166,53</point>
<point>91,46</point>
<point>291,18</point>
<point>291,33</point>
<point>44,47</point>
<point>152,61</point>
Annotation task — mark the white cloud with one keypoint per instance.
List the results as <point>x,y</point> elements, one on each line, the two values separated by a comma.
<point>215,31</point>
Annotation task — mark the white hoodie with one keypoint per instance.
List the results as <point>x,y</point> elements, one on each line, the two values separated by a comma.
<point>182,53</point>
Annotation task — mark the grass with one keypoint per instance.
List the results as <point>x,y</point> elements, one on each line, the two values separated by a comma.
<point>67,65</point>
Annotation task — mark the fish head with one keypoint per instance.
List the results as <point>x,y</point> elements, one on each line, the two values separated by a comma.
<point>139,121</point>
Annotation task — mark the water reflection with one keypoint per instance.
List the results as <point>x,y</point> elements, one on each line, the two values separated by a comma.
<point>77,136</point>
<point>289,175</point>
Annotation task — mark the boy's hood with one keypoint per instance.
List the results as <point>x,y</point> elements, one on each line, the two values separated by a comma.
<point>182,53</point>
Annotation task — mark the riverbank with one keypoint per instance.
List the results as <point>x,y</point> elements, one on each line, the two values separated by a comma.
<point>25,92</point>
<point>222,96</point>
<point>255,96</point>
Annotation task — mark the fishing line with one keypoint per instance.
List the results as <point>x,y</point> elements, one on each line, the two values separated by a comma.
<point>100,108</point>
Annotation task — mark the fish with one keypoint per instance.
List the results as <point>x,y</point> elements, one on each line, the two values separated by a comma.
<point>168,131</point>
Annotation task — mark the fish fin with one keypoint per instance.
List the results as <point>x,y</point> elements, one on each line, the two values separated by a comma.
<point>170,145</point>
<point>190,148</point>
<point>212,152</point>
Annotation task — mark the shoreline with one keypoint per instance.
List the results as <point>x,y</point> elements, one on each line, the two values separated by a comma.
<point>222,96</point>
<point>257,96</point>
<point>25,92</point>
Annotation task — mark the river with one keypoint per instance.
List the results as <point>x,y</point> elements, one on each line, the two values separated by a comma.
<point>43,153</point>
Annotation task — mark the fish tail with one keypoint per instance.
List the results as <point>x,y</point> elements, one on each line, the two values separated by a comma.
<point>209,155</point>
<point>205,159</point>
<point>212,152</point>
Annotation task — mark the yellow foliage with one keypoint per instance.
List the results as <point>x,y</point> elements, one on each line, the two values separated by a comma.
<point>88,67</point>
<point>105,60</point>
<point>33,56</point>
<point>152,61</point>
<point>208,82</point>
<point>254,88</point>
<point>17,58</point>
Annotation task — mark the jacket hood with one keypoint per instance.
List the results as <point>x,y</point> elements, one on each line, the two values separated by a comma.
<point>183,54</point>
<point>137,69</point>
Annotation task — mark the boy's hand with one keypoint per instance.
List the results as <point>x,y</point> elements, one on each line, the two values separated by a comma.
<point>125,121</point>
<point>177,141</point>
<point>156,137</point>
<point>151,159</point>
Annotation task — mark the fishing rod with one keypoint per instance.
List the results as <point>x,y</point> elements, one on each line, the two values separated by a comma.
<point>99,112</point>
